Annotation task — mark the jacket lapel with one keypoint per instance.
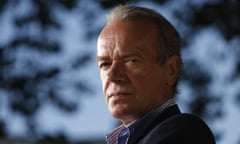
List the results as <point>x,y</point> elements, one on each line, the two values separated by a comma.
<point>144,126</point>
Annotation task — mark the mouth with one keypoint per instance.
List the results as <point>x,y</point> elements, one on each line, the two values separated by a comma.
<point>118,98</point>
<point>119,94</point>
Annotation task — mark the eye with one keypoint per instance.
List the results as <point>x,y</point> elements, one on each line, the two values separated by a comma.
<point>132,60</point>
<point>104,65</point>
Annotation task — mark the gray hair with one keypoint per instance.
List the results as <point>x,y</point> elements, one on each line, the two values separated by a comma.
<point>169,38</point>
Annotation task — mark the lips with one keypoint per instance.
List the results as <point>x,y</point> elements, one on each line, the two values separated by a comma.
<point>116,97</point>
<point>118,94</point>
<point>118,91</point>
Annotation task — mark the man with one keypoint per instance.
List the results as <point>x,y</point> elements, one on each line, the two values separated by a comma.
<point>138,54</point>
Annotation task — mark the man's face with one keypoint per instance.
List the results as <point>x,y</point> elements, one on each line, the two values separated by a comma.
<point>133,82</point>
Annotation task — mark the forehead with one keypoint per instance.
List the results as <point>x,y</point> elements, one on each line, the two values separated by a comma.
<point>129,28</point>
<point>128,35</point>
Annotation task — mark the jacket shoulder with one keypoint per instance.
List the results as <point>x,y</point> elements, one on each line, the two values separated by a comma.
<point>180,128</point>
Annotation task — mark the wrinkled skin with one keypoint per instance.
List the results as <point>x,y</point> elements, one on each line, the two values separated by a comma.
<point>133,81</point>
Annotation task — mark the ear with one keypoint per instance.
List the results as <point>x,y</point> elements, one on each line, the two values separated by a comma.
<point>173,69</point>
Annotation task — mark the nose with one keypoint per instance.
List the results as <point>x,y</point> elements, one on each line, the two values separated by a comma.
<point>116,73</point>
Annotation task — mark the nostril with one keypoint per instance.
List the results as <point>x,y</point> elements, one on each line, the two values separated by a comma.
<point>116,72</point>
<point>116,76</point>
<point>121,79</point>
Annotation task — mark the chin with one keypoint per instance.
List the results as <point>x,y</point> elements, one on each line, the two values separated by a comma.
<point>117,114</point>
<point>124,116</point>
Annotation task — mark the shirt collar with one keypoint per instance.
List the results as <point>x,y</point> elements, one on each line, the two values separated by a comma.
<point>112,137</point>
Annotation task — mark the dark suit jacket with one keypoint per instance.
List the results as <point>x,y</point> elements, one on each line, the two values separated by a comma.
<point>173,127</point>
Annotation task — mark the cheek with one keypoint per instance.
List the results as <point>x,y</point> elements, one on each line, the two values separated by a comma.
<point>103,77</point>
<point>140,77</point>
<point>104,82</point>
<point>143,82</point>
<point>140,82</point>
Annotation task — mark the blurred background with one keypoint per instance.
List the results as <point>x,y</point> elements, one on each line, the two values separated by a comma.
<point>50,90</point>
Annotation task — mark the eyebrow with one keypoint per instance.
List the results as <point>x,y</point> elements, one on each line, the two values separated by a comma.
<point>127,55</point>
<point>102,58</point>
